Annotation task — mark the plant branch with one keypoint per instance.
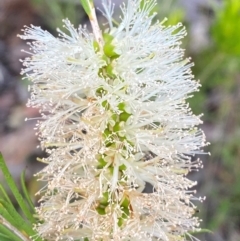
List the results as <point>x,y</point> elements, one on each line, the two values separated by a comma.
<point>90,11</point>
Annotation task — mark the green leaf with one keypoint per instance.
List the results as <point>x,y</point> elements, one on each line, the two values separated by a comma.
<point>5,194</point>
<point>4,237</point>
<point>25,191</point>
<point>18,221</point>
<point>13,227</point>
<point>6,232</point>
<point>7,204</point>
<point>87,6</point>
<point>7,216</point>
<point>11,183</point>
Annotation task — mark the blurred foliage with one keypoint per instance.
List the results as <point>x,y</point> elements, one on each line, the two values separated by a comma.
<point>171,10</point>
<point>226,28</point>
<point>13,226</point>
<point>54,11</point>
<point>218,68</point>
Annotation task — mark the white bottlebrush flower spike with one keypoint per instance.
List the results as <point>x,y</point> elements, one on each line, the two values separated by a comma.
<point>117,129</point>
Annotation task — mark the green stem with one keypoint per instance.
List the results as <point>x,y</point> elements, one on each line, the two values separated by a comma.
<point>88,7</point>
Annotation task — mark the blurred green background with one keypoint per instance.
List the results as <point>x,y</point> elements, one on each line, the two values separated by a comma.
<point>213,42</point>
